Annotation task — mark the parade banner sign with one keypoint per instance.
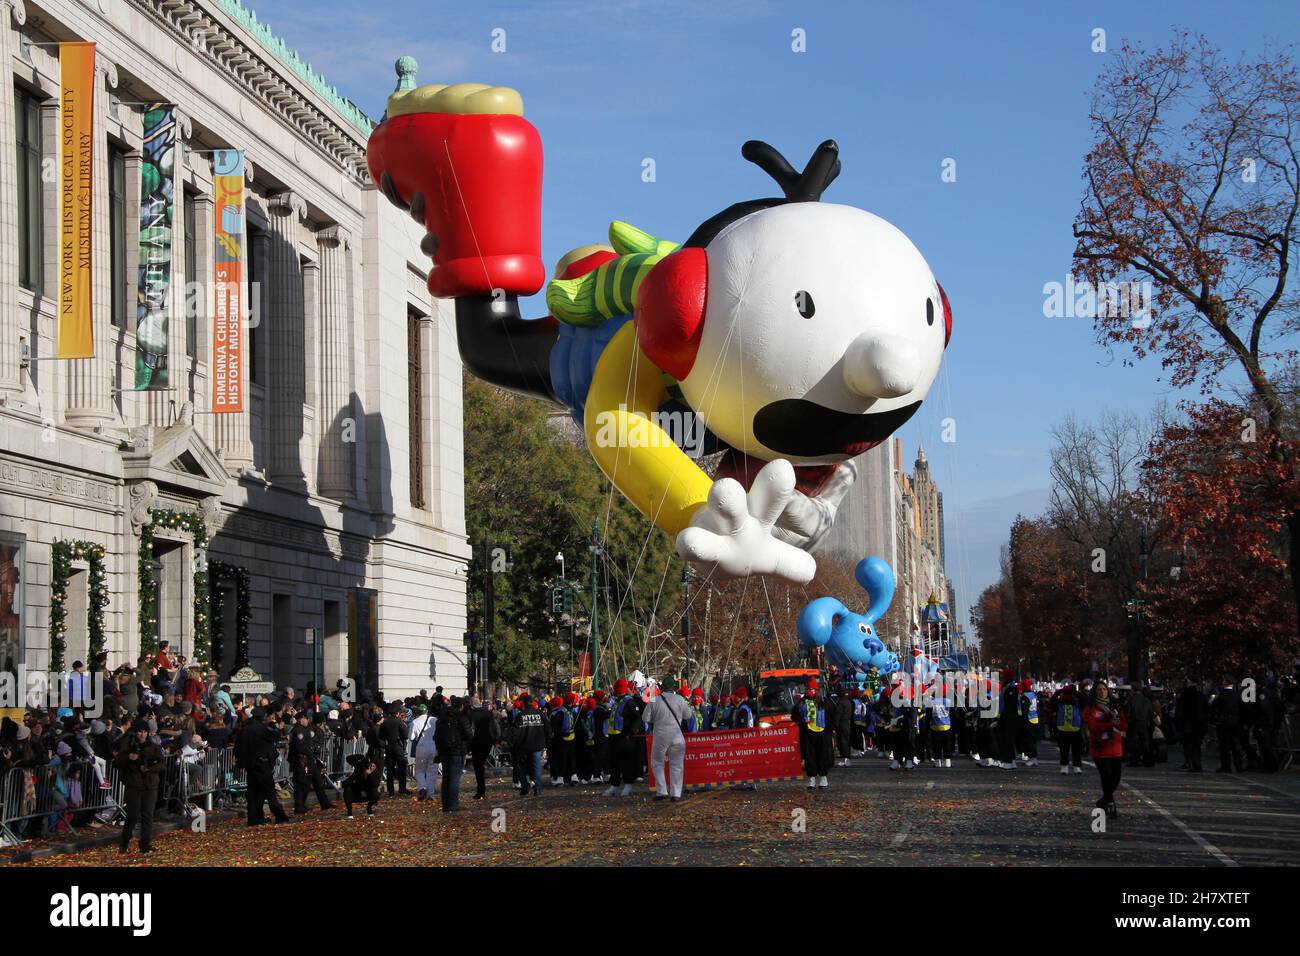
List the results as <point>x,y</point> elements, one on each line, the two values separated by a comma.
<point>153,279</point>
<point>76,338</point>
<point>724,758</point>
<point>228,282</point>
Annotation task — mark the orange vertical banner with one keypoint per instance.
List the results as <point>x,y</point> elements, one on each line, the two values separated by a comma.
<point>76,199</point>
<point>228,282</point>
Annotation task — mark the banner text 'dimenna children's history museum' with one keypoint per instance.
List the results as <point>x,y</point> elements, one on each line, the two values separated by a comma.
<point>228,282</point>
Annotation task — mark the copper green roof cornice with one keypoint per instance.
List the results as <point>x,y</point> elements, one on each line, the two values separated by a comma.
<point>246,18</point>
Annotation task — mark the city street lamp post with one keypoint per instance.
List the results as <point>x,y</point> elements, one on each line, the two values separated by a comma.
<point>686,609</point>
<point>557,600</point>
<point>489,608</point>
<point>596,552</point>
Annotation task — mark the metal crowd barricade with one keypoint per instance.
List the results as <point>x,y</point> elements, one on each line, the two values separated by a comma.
<point>336,760</point>
<point>42,800</point>
<point>280,772</point>
<point>171,791</point>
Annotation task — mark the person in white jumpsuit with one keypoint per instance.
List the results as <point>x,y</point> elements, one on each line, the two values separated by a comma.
<point>664,719</point>
<point>426,755</point>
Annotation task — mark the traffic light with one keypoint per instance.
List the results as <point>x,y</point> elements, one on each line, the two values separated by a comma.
<point>557,599</point>
<point>568,600</point>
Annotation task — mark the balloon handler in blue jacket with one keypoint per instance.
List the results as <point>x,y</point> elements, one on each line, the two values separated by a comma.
<point>815,736</point>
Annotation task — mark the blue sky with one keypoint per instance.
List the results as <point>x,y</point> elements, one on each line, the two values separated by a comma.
<point>1001,88</point>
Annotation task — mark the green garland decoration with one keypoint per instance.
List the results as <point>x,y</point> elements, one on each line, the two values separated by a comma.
<point>63,553</point>
<point>222,571</point>
<point>176,521</point>
<point>216,611</point>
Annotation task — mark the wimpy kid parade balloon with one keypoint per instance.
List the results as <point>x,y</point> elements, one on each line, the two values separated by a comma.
<point>791,334</point>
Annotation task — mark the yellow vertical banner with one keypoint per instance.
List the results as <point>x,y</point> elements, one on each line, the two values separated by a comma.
<point>76,194</point>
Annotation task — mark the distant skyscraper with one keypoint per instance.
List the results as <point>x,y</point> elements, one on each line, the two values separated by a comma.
<point>899,518</point>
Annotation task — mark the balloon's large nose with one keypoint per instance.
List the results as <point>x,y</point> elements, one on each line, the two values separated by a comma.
<point>881,366</point>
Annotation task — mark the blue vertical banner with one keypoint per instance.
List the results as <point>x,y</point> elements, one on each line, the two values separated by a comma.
<point>153,285</point>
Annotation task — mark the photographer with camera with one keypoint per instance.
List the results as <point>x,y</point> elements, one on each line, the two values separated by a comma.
<point>140,762</point>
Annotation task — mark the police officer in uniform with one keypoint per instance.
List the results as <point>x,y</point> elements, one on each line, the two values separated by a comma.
<point>528,738</point>
<point>304,763</point>
<point>257,754</point>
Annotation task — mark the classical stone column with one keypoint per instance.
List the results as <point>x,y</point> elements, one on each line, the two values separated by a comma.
<point>311,426</point>
<point>282,306</point>
<point>89,397</point>
<point>334,411</point>
<point>12,16</point>
<point>260,243</point>
<point>311,324</point>
<point>196,294</point>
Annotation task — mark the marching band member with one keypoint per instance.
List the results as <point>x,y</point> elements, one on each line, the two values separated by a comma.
<point>815,741</point>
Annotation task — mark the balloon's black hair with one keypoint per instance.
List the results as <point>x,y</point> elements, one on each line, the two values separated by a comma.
<point>806,186</point>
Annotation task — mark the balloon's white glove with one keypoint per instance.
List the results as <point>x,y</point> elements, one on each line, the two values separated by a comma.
<point>732,536</point>
<point>806,521</point>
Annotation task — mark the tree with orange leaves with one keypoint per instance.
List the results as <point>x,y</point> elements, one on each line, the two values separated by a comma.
<point>1226,492</point>
<point>1192,187</point>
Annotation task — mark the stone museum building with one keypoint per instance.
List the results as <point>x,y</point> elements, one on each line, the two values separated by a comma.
<point>319,533</point>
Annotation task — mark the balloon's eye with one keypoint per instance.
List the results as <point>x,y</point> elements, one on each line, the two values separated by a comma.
<point>864,629</point>
<point>929,311</point>
<point>803,301</point>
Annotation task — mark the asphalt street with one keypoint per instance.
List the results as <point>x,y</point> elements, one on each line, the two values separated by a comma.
<point>870,815</point>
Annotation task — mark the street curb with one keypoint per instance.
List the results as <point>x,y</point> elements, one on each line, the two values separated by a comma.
<point>106,839</point>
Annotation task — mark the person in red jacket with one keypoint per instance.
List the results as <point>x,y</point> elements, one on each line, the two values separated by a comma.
<point>195,688</point>
<point>1106,728</point>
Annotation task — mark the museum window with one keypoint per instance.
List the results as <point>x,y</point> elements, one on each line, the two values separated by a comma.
<point>191,252</point>
<point>30,235</point>
<point>117,235</point>
<point>415,404</point>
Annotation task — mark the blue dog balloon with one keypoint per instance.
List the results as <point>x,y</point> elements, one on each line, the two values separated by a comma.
<point>849,638</point>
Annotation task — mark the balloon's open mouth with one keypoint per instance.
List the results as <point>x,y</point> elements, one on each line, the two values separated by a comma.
<point>804,429</point>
